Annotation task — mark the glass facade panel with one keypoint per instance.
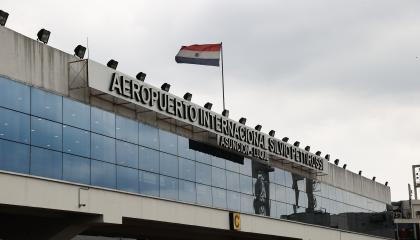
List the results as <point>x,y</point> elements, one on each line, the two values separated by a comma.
<point>204,195</point>
<point>46,163</point>
<point>102,122</point>
<point>76,141</point>
<point>14,157</point>
<point>127,154</point>
<point>246,168</point>
<point>14,95</point>
<point>76,169</point>
<point>218,162</point>
<point>46,105</point>
<point>187,191</point>
<point>203,158</point>
<point>218,177</point>
<point>149,159</point>
<point>149,183</point>
<point>247,202</point>
<point>184,148</point>
<point>127,179</point>
<point>219,197</point>
<point>232,166</point>
<point>168,187</point>
<point>14,126</point>
<point>103,174</point>
<point>168,142</point>
<point>126,129</point>
<point>203,173</point>
<point>186,169</point>
<point>46,134</point>
<point>245,184</point>
<point>168,165</point>
<point>148,136</point>
<point>233,201</point>
<point>76,114</point>
<point>232,181</point>
<point>102,148</point>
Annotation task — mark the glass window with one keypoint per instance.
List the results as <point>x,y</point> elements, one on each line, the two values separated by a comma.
<point>203,158</point>
<point>149,183</point>
<point>14,95</point>
<point>186,169</point>
<point>102,122</point>
<point>127,179</point>
<point>46,134</point>
<point>203,173</point>
<point>218,177</point>
<point>76,141</point>
<point>46,105</point>
<point>46,163</point>
<point>14,157</point>
<point>204,195</point>
<point>184,148</point>
<point>246,168</point>
<point>103,148</point>
<point>233,201</point>
<point>168,165</point>
<point>149,159</point>
<point>218,162</point>
<point>232,180</point>
<point>281,210</point>
<point>76,169</point>
<point>14,126</point>
<point>279,177</point>
<point>232,166</point>
<point>127,154</point>
<point>148,136</point>
<point>290,196</point>
<point>103,174</point>
<point>272,192</point>
<point>281,193</point>
<point>247,203</point>
<point>168,187</point>
<point>168,142</point>
<point>288,179</point>
<point>245,184</point>
<point>76,114</point>
<point>219,197</point>
<point>127,129</point>
<point>187,191</point>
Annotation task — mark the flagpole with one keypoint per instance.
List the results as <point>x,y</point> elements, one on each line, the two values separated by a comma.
<point>223,77</point>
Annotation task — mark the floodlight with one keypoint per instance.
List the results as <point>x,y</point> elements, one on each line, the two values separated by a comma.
<point>3,17</point>
<point>336,161</point>
<point>318,153</point>
<point>258,127</point>
<point>141,76</point>
<point>79,51</point>
<point>242,120</point>
<point>165,87</point>
<point>308,148</point>
<point>344,166</point>
<point>272,133</point>
<point>44,35</point>
<point>112,64</point>
<point>374,178</point>
<point>225,113</point>
<point>360,172</point>
<point>188,96</point>
<point>208,105</point>
<point>296,144</point>
<point>327,157</point>
<point>386,183</point>
<point>285,139</point>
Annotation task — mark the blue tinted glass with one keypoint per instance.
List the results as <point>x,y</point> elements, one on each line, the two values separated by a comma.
<point>203,173</point>
<point>149,159</point>
<point>127,179</point>
<point>149,183</point>
<point>186,169</point>
<point>218,177</point>
<point>14,157</point>
<point>46,163</point>
<point>46,105</point>
<point>187,191</point>
<point>233,201</point>
<point>148,136</point>
<point>203,158</point>
<point>103,148</point>
<point>247,203</point>
<point>14,126</point>
<point>168,187</point>
<point>76,141</point>
<point>245,184</point>
<point>232,181</point>
<point>184,148</point>
<point>168,165</point>
<point>218,162</point>
<point>204,195</point>
<point>168,142</point>
<point>103,174</point>
<point>279,177</point>
<point>76,114</point>
<point>219,197</point>
<point>127,154</point>
<point>76,169</point>
<point>246,168</point>
<point>102,122</point>
<point>14,95</point>
<point>126,129</point>
<point>232,166</point>
<point>46,134</point>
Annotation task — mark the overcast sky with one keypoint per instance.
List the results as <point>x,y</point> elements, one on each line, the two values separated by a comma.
<point>340,76</point>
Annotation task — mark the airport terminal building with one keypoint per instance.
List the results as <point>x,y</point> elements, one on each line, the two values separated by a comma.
<point>88,152</point>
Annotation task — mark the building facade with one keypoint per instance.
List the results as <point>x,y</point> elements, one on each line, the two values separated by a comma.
<point>121,169</point>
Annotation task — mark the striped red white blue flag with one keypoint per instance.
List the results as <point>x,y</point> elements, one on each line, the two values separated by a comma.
<point>202,54</point>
